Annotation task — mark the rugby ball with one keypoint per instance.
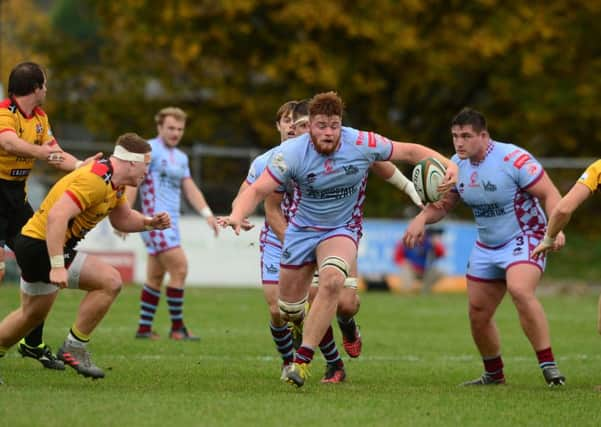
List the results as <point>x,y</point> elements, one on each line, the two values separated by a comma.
<point>427,176</point>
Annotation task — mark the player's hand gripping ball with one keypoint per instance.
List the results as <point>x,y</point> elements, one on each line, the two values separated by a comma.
<point>427,176</point>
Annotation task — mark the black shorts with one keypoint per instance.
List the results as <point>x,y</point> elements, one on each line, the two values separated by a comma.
<point>15,210</point>
<point>33,260</point>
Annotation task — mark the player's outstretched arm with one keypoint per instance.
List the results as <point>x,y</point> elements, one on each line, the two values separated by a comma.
<point>11,143</point>
<point>199,203</point>
<point>432,213</point>
<point>248,200</point>
<point>128,220</point>
<point>391,174</point>
<point>414,153</point>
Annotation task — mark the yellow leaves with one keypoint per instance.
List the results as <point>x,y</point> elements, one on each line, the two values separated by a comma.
<point>20,19</point>
<point>531,65</point>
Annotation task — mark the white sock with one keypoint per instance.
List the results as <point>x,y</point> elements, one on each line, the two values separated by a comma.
<point>73,341</point>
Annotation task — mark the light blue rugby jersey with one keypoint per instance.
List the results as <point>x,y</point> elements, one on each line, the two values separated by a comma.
<point>161,189</point>
<point>330,190</point>
<point>495,189</point>
<point>254,172</point>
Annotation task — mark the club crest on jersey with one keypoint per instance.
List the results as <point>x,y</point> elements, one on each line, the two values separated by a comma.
<point>474,180</point>
<point>279,162</point>
<point>39,128</point>
<point>328,166</point>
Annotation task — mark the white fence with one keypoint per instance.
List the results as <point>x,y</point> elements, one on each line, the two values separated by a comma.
<point>227,260</point>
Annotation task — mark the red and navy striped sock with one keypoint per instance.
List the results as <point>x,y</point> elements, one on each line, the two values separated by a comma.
<point>304,355</point>
<point>149,300</point>
<point>175,301</point>
<point>329,349</point>
<point>283,342</point>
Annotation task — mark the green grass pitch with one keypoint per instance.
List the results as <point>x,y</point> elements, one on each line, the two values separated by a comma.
<point>416,350</point>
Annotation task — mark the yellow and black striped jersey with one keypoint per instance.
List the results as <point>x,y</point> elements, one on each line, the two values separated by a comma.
<point>34,129</point>
<point>91,189</point>
<point>592,176</point>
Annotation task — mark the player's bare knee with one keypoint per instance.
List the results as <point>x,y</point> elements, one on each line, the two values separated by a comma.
<point>347,310</point>
<point>348,303</point>
<point>274,314</point>
<point>113,283</point>
<point>479,314</point>
<point>179,274</point>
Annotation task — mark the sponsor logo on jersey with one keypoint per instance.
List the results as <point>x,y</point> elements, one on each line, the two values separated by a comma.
<point>332,193</point>
<point>19,172</point>
<point>351,170</point>
<point>286,254</point>
<point>488,210</point>
<point>311,178</point>
<point>359,138</point>
<point>489,186</point>
<point>39,128</point>
<point>271,269</point>
<point>511,155</point>
<point>521,161</point>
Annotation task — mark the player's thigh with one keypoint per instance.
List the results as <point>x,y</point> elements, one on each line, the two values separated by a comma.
<point>174,261</point>
<point>295,282</point>
<point>37,306</point>
<point>522,280</point>
<point>154,269</point>
<point>96,274</point>
<point>337,246</point>
<point>485,296</point>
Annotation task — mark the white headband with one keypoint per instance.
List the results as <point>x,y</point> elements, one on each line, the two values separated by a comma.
<point>123,154</point>
<point>301,120</point>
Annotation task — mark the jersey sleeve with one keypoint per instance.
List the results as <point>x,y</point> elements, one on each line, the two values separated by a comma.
<point>524,168</point>
<point>186,164</point>
<point>592,176</point>
<point>87,190</point>
<point>7,121</point>
<point>282,163</point>
<point>455,159</point>
<point>256,169</point>
<point>375,147</point>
